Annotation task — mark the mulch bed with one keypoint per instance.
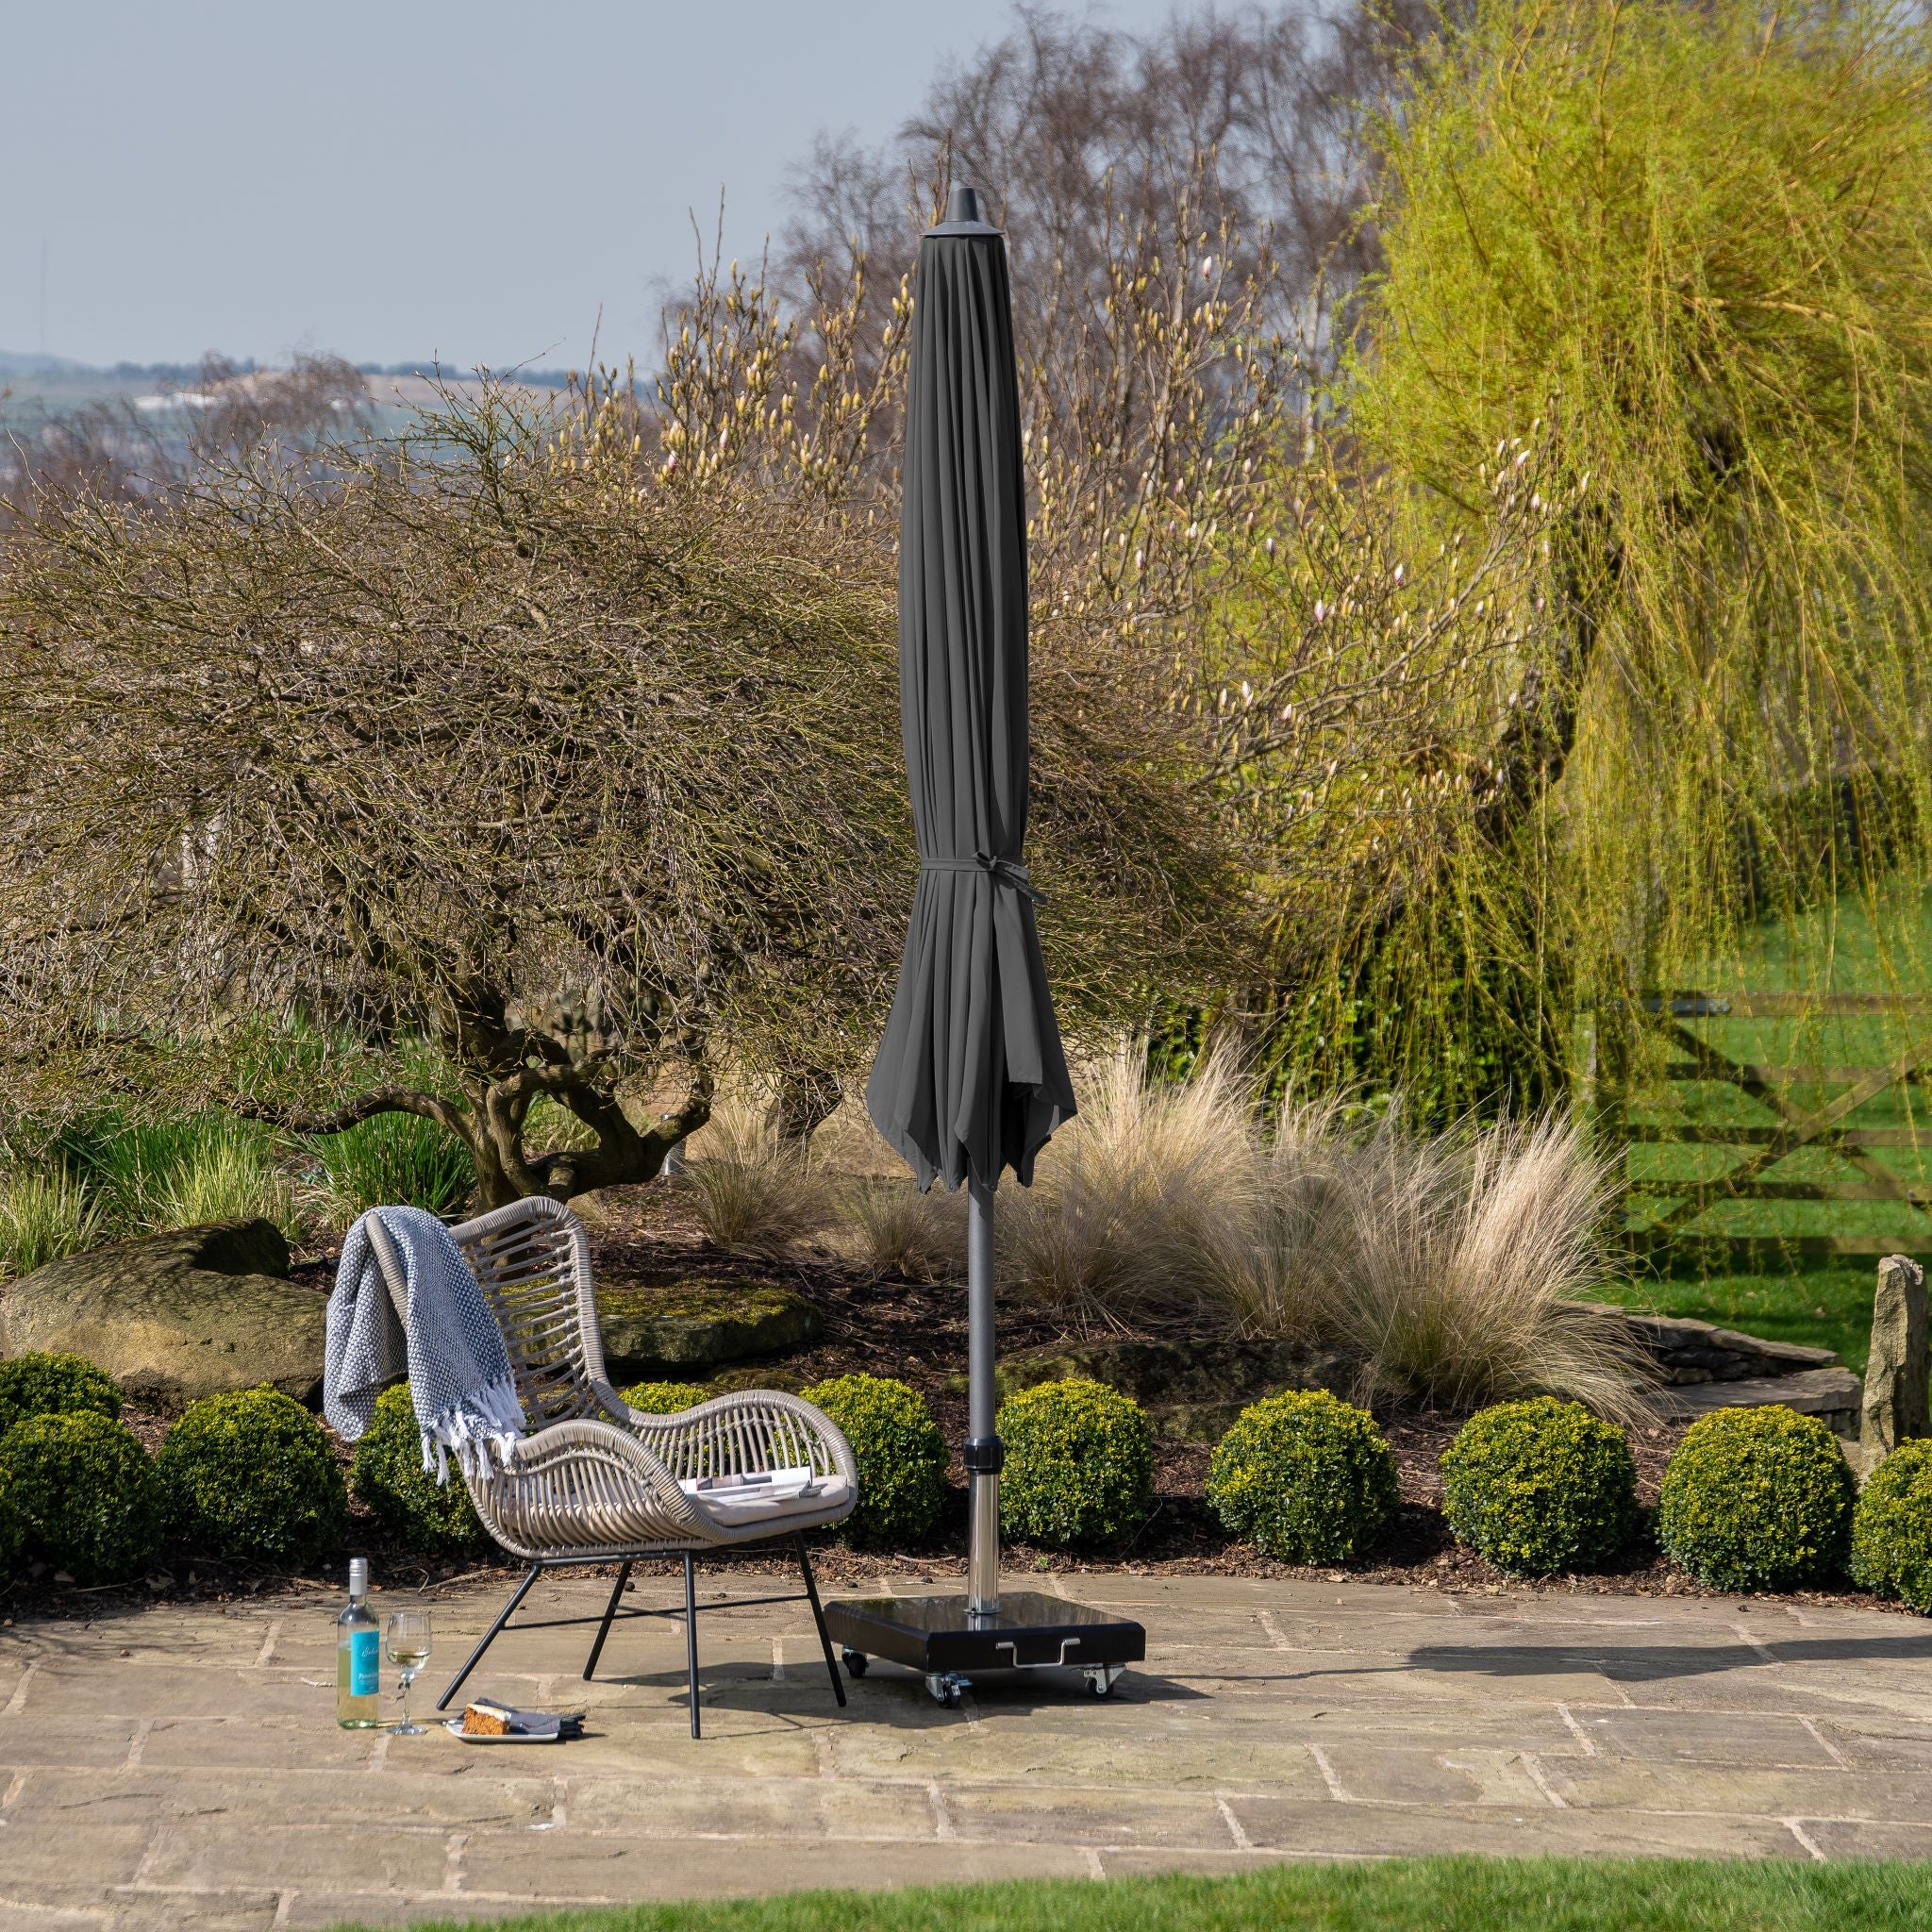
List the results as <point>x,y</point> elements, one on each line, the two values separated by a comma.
<point>917,1332</point>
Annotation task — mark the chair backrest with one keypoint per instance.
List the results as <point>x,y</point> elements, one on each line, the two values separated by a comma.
<point>533,1259</point>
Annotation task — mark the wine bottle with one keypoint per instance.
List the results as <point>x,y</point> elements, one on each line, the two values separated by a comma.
<point>358,1655</point>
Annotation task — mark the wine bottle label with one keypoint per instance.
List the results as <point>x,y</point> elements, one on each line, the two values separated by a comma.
<point>365,1660</point>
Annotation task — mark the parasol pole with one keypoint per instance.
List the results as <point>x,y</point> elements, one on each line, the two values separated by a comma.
<point>984,1451</point>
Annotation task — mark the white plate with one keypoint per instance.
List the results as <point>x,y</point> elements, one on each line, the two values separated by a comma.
<point>454,1726</point>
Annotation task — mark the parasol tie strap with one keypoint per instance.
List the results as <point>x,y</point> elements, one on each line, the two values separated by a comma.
<point>1002,871</point>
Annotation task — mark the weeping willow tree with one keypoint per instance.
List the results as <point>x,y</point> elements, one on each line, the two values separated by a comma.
<point>1696,243</point>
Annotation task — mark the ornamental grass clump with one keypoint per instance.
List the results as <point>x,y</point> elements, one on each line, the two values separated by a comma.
<point>1542,1486</point>
<point>44,1213</point>
<point>52,1382</point>
<point>1306,1477</point>
<point>904,1234</point>
<point>1891,1529</point>
<point>389,1476</point>
<point>86,1499</point>
<point>1080,1464</point>
<point>753,1192</point>
<point>393,1158</point>
<point>899,1452</point>
<point>251,1476</point>
<point>1757,1499</point>
<point>1470,1254</point>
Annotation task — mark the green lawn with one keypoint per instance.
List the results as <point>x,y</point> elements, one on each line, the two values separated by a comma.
<point>1844,949</point>
<point>1825,1306</point>
<point>1409,1896</point>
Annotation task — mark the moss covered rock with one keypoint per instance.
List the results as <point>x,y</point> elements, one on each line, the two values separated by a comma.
<point>660,1332</point>
<point>174,1316</point>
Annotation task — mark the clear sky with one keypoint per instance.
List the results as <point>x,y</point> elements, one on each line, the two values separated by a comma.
<point>392,180</point>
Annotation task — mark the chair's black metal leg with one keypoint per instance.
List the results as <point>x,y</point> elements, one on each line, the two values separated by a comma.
<point>690,1636</point>
<point>476,1657</point>
<point>817,1617</point>
<point>609,1611</point>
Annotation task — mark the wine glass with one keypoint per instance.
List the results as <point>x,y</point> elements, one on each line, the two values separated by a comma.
<point>409,1650</point>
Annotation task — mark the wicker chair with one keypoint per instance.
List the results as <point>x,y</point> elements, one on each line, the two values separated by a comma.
<point>596,1481</point>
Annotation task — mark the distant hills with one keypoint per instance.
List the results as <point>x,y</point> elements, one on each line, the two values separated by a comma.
<point>14,362</point>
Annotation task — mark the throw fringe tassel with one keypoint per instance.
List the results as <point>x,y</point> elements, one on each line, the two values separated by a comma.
<point>491,1419</point>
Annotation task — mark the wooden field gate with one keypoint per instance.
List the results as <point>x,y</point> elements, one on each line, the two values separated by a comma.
<point>1823,1122</point>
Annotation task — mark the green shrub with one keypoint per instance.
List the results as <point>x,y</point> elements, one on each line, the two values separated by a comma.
<point>664,1398</point>
<point>1080,1464</point>
<point>52,1382</point>
<point>86,1498</point>
<point>12,1530</point>
<point>251,1476</point>
<point>388,1474</point>
<point>1306,1476</point>
<point>900,1452</point>
<point>1542,1486</point>
<point>1891,1529</point>
<point>1756,1498</point>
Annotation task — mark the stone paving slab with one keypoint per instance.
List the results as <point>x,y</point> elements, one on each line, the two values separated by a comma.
<point>180,1767</point>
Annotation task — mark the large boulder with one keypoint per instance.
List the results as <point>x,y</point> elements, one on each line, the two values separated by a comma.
<point>174,1316</point>
<point>662,1330</point>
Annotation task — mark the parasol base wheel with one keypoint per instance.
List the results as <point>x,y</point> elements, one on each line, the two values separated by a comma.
<point>948,1643</point>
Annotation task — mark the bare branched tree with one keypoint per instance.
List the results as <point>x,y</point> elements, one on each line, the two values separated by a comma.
<point>504,740</point>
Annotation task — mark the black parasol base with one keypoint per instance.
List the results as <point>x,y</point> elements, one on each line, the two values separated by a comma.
<point>947,1642</point>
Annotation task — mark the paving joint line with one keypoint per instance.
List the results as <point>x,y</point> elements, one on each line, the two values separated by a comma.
<point>1831,1750</point>
<point>17,1702</point>
<point>942,1825</point>
<point>1330,1777</point>
<point>1236,1830</point>
<point>1534,1766</point>
<point>1804,1838</point>
<point>1576,1730</point>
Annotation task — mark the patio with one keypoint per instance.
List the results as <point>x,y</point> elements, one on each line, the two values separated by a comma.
<point>182,1766</point>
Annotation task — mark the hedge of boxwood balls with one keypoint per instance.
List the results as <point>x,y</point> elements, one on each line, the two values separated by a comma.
<point>1304,1476</point>
<point>51,1382</point>
<point>406,1498</point>
<point>251,1475</point>
<point>899,1451</point>
<point>1080,1464</point>
<point>1757,1499</point>
<point>85,1498</point>
<point>1540,1486</point>
<point>1891,1529</point>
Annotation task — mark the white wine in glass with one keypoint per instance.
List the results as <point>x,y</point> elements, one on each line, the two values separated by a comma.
<point>409,1650</point>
